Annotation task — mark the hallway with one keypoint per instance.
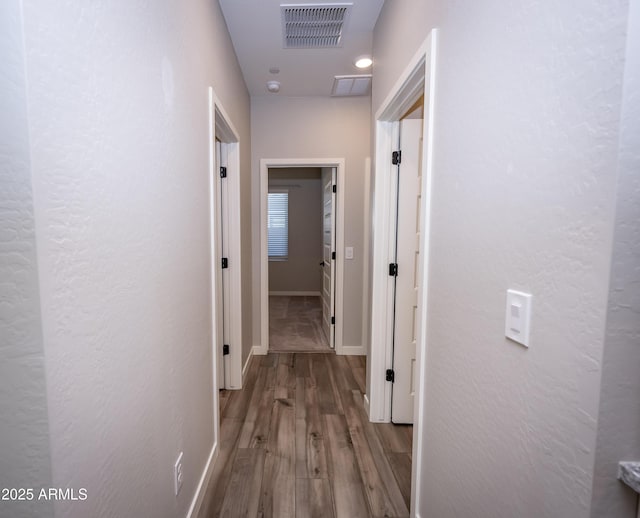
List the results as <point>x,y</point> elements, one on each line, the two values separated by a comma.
<point>296,441</point>
<point>135,146</point>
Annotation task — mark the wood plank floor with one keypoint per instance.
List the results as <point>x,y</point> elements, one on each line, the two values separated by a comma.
<point>296,442</point>
<point>295,325</point>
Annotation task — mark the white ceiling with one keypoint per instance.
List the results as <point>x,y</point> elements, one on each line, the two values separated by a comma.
<point>256,31</point>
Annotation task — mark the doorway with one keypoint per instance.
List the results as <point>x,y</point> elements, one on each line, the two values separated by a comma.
<point>224,193</point>
<point>295,238</point>
<point>417,80</point>
<point>335,284</point>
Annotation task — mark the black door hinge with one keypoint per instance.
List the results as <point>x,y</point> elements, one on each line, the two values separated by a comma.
<point>396,157</point>
<point>335,188</point>
<point>223,172</point>
<point>391,375</point>
<point>393,269</point>
<point>225,349</point>
<point>333,320</point>
<point>333,255</point>
<point>225,263</point>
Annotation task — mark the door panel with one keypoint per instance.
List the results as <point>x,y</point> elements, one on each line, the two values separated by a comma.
<point>408,259</point>
<point>328,245</point>
<point>226,272</point>
<point>218,273</point>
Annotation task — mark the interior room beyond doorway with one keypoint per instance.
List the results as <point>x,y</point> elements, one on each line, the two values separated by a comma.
<point>295,229</point>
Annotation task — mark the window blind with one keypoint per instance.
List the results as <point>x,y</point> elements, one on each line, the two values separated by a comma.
<point>278,225</point>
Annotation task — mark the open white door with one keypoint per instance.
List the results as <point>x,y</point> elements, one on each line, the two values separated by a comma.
<point>328,253</point>
<point>218,281</point>
<point>226,250</point>
<point>407,278</point>
<point>224,264</point>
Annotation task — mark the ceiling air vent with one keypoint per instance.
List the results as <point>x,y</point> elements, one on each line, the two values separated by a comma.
<point>351,86</point>
<point>313,26</point>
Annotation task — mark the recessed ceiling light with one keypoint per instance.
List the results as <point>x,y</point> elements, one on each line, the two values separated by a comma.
<point>273,86</point>
<point>364,62</point>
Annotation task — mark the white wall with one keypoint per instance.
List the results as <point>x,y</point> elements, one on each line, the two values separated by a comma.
<point>24,428</point>
<point>526,140</point>
<point>316,127</point>
<point>301,271</point>
<point>118,116</point>
<point>619,416</point>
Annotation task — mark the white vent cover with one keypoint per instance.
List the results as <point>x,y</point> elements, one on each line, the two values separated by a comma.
<point>350,86</point>
<point>313,26</point>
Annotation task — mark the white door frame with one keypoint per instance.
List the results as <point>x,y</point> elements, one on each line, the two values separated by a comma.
<point>417,79</point>
<point>265,165</point>
<point>221,128</point>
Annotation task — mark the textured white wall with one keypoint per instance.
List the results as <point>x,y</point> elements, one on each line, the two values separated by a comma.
<point>526,131</point>
<point>24,430</point>
<point>317,127</point>
<point>619,417</point>
<point>118,112</point>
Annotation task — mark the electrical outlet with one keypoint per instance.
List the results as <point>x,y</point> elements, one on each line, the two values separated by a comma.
<point>178,475</point>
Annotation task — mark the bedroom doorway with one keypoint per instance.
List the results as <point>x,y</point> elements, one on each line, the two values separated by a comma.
<point>295,246</point>
<point>275,170</point>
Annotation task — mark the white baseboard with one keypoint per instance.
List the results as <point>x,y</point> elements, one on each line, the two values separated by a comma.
<point>353,350</point>
<point>199,495</point>
<point>246,365</point>
<point>294,293</point>
<point>258,350</point>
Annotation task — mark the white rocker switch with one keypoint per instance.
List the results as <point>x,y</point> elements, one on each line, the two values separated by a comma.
<point>518,317</point>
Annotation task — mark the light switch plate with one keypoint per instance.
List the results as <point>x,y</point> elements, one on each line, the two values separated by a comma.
<point>518,317</point>
<point>348,252</point>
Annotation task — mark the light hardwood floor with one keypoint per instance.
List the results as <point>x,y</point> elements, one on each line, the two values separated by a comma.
<point>295,325</point>
<point>296,441</point>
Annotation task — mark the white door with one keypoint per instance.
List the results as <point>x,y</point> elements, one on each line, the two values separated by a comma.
<point>328,248</point>
<point>217,274</point>
<point>224,368</point>
<point>407,259</point>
